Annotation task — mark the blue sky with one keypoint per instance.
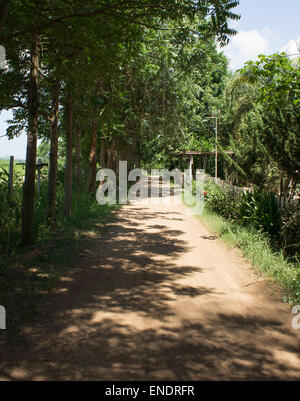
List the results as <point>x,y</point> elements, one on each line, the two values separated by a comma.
<point>281,16</point>
<point>266,26</point>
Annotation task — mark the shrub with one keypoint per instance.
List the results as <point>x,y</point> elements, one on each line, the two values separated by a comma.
<point>220,200</point>
<point>260,210</point>
<point>84,206</point>
<point>290,230</point>
<point>10,214</point>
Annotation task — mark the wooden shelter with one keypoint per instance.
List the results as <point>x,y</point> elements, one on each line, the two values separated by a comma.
<point>192,153</point>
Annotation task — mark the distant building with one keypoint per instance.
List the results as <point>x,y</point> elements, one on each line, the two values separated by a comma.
<point>292,49</point>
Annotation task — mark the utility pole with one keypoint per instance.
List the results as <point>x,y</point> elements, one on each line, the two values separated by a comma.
<point>216,145</point>
<point>216,156</point>
<point>11,176</point>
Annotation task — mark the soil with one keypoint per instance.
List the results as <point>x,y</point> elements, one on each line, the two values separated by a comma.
<point>157,297</point>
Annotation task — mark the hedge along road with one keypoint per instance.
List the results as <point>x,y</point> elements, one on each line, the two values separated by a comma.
<point>157,296</point>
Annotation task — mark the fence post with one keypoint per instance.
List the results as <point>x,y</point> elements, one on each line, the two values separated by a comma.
<point>39,166</point>
<point>11,175</point>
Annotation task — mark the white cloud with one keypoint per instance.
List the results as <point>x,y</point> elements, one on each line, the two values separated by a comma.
<point>247,45</point>
<point>270,34</point>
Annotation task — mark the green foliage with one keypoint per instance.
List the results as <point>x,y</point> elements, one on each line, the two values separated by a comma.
<point>279,79</point>
<point>260,210</point>
<point>10,208</point>
<point>262,122</point>
<point>10,212</point>
<point>220,200</point>
<point>290,230</point>
<point>86,211</point>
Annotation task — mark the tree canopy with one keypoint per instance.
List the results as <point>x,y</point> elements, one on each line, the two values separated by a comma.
<point>108,79</point>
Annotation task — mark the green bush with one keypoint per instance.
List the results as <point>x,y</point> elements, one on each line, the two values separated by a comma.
<point>220,200</point>
<point>290,230</point>
<point>85,210</point>
<point>10,214</point>
<point>260,210</point>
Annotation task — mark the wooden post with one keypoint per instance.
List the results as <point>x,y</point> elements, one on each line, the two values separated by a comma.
<point>39,166</point>
<point>191,166</point>
<point>39,181</point>
<point>11,175</point>
<point>216,155</point>
<point>216,151</point>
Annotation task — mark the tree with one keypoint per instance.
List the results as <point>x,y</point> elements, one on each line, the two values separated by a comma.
<point>29,183</point>
<point>277,82</point>
<point>3,12</point>
<point>84,31</point>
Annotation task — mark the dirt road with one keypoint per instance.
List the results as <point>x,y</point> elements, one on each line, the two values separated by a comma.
<point>158,296</point>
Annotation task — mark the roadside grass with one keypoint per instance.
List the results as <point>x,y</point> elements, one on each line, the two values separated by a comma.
<point>256,248</point>
<point>28,274</point>
<point>19,171</point>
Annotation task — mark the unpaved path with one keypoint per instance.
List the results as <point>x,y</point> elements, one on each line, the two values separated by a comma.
<point>157,296</point>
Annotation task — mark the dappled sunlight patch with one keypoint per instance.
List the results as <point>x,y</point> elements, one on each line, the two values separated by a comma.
<point>19,373</point>
<point>71,329</point>
<point>243,363</point>
<point>39,378</point>
<point>86,252</point>
<point>91,234</point>
<point>43,275</point>
<point>60,290</point>
<point>116,345</point>
<point>288,358</point>
<point>161,305</point>
<point>66,279</point>
<point>137,321</point>
<point>167,374</point>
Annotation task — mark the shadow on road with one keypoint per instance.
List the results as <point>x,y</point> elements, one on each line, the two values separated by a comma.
<point>113,318</point>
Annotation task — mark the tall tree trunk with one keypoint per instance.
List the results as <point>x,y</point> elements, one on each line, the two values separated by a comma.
<point>287,186</point>
<point>102,154</point>
<point>3,12</point>
<point>110,157</point>
<point>78,159</point>
<point>52,182</point>
<point>29,183</point>
<point>93,154</point>
<point>69,157</point>
<point>137,161</point>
